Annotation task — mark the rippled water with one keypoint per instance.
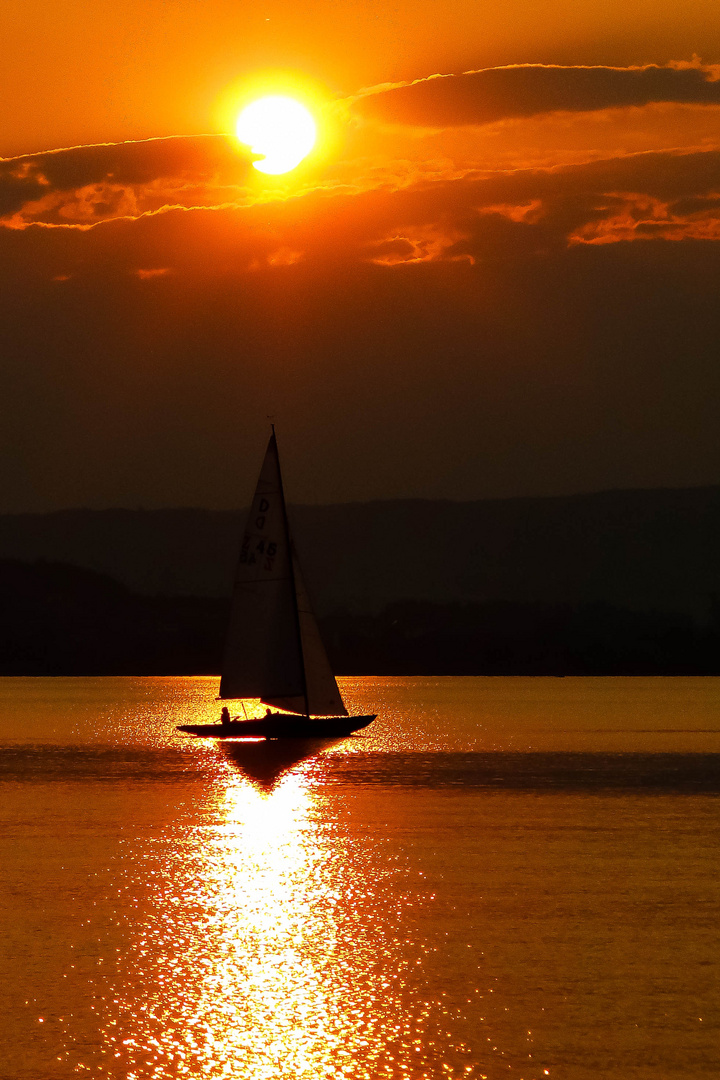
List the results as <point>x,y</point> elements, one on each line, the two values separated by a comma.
<point>500,878</point>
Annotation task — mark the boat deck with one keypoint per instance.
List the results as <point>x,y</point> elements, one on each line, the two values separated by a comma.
<point>281,726</point>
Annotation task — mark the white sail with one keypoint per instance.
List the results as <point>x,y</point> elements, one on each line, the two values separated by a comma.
<point>273,649</point>
<point>262,649</point>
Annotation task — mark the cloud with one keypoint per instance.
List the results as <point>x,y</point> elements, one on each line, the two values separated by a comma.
<point>87,184</point>
<point>427,218</point>
<point>523,90</point>
<point>501,215</point>
<point>84,187</point>
<point>440,333</point>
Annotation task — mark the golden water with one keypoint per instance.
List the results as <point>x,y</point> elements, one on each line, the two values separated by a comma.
<point>500,878</point>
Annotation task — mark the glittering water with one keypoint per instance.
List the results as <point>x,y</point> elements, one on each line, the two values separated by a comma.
<point>500,878</point>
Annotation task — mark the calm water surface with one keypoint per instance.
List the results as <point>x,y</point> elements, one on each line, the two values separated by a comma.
<point>500,878</point>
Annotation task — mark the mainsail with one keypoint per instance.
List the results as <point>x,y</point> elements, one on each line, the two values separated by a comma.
<point>273,649</point>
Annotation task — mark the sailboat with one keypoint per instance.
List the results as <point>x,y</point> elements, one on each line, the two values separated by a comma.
<point>273,648</point>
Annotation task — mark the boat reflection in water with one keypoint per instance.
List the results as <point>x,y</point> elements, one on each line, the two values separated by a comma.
<point>264,761</point>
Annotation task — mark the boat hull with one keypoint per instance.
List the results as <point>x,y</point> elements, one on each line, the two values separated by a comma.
<point>280,726</point>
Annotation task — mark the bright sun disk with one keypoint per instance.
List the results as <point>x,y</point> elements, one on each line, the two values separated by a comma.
<point>279,128</point>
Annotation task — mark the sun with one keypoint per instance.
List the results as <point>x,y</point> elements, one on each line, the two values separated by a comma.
<point>279,128</point>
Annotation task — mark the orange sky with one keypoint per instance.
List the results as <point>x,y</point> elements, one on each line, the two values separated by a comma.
<point>77,72</point>
<point>497,283</point>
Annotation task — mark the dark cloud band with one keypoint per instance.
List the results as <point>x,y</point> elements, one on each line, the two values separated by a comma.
<point>482,97</point>
<point>197,159</point>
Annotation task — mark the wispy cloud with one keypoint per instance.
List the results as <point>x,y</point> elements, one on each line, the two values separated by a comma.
<point>86,184</point>
<point>523,214</point>
<point>153,193</point>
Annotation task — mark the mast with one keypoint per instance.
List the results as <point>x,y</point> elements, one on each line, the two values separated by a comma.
<point>286,527</point>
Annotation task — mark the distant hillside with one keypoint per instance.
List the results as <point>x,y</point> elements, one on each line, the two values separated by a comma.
<point>61,620</point>
<point>636,550</point>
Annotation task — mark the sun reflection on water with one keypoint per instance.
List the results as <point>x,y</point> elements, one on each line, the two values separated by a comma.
<point>374,910</point>
<point>272,949</point>
<point>265,883</point>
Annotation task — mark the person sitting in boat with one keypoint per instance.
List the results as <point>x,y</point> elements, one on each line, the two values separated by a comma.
<point>268,712</point>
<point>225,715</point>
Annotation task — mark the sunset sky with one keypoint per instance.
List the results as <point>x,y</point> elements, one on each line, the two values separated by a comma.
<point>498,273</point>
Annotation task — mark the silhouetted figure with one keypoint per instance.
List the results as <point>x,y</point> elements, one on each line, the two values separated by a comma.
<point>225,715</point>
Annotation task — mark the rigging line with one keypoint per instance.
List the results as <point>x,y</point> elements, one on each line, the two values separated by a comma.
<point>288,541</point>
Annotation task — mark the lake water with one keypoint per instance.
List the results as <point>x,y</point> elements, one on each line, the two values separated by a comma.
<point>500,878</point>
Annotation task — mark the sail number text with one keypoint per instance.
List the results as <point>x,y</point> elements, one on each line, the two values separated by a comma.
<point>263,550</point>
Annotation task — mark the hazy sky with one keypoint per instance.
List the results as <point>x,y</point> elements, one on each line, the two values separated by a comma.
<point>492,283</point>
